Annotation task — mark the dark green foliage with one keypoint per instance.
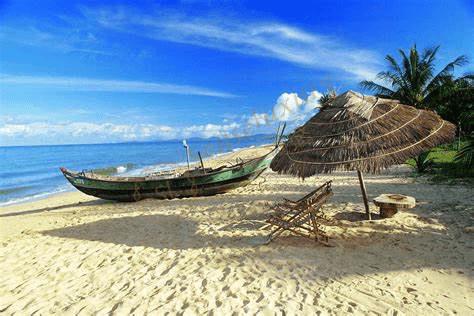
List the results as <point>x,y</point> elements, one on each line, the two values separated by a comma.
<point>327,98</point>
<point>423,162</point>
<point>456,103</point>
<point>466,155</point>
<point>446,167</point>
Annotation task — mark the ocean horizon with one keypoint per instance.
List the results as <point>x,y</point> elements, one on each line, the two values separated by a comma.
<point>32,172</point>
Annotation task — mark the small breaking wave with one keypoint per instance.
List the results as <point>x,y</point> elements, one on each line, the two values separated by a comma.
<point>108,171</point>
<point>121,169</point>
<point>34,197</point>
<point>155,168</point>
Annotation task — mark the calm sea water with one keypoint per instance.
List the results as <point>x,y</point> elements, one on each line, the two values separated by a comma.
<point>31,172</point>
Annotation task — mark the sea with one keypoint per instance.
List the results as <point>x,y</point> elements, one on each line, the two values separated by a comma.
<point>32,172</point>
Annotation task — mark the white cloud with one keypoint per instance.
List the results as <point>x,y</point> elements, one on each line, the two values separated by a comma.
<point>71,39</point>
<point>312,102</point>
<point>87,84</point>
<point>290,107</point>
<point>211,130</point>
<point>258,119</point>
<point>287,107</point>
<point>102,132</point>
<point>80,129</point>
<point>264,38</point>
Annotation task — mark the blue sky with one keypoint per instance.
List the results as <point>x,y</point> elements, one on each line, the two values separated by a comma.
<point>88,72</point>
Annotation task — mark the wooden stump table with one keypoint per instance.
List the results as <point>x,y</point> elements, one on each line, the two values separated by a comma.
<point>390,204</point>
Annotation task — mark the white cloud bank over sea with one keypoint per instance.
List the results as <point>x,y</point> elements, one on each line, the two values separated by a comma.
<point>108,132</point>
<point>289,107</point>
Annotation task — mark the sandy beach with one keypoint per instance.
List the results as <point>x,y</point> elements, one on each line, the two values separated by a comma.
<point>74,254</point>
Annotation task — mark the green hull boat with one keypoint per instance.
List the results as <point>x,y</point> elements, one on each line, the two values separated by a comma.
<point>191,183</point>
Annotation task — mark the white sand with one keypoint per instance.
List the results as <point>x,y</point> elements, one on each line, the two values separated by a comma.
<point>75,254</point>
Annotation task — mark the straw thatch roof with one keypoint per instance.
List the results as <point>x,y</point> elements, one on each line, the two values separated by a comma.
<point>358,132</point>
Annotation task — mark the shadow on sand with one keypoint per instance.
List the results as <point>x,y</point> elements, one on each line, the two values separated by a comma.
<point>59,207</point>
<point>403,248</point>
<point>156,231</point>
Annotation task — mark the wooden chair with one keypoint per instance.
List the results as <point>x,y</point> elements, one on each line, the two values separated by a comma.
<point>302,217</point>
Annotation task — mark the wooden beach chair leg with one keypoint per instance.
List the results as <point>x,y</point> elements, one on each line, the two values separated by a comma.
<point>321,235</point>
<point>274,234</point>
<point>279,230</point>
<point>315,227</point>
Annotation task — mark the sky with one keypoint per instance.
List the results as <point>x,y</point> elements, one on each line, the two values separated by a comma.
<point>114,71</point>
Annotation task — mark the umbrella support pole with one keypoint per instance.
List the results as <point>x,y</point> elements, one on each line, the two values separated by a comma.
<point>364,194</point>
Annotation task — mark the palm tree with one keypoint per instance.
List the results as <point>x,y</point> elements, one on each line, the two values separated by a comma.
<point>414,81</point>
<point>327,98</point>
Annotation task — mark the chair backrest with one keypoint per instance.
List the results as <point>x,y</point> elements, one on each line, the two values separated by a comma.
<point>312,205</point>
<point>314,195</point>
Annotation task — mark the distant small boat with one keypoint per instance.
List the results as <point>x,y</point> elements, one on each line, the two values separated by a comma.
<point>195,182</point>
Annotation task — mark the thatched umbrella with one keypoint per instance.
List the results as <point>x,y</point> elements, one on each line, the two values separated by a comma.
<point>362,133</point>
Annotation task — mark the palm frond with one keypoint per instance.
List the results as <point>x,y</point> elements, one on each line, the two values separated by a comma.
<point>406,66</point>
<point>394,79</point>
<point>377,88</point>
<point>393,64</point>
<point>327,98</point>
<point>429,55</point>
<point>414,62</point>
<point>446,72</point>
<point>423,162</point>
<point>467,76</point>
<point>412,80</point>
<point>466,154</point>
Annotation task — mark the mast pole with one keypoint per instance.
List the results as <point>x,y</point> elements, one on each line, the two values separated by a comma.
<point>200,159</point>
<point>364,194</point>
<point>185,144</point>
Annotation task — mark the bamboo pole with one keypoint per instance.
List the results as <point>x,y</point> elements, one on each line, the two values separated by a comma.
<point>200,159</point>
<point>364,194</point>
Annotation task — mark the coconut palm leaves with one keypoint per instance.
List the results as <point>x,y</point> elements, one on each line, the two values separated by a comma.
<point>423,162</point>
<point>327,98</point>
<point>466,154</point>
<point>414,81</point>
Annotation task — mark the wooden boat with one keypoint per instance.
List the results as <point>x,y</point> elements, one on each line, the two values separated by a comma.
<point>196,182</point>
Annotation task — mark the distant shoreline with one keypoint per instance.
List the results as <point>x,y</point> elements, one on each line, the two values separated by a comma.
<point>176,140</point>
